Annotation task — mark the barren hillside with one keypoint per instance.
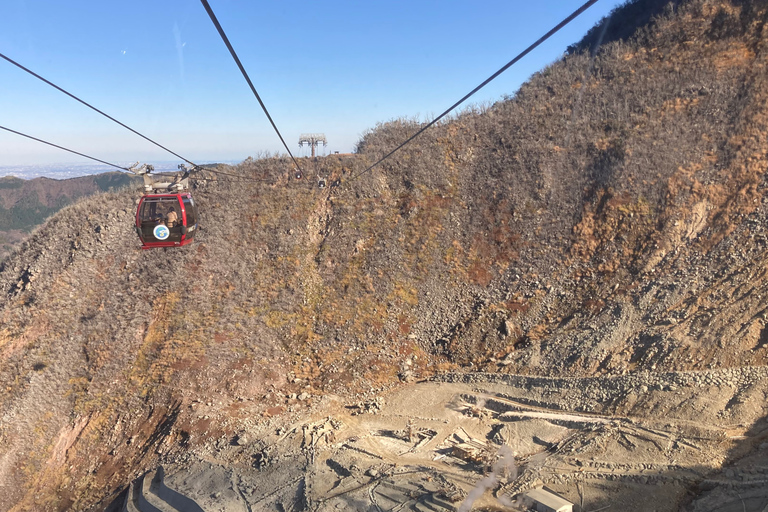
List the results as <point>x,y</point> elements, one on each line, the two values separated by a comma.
<point>608,219</point>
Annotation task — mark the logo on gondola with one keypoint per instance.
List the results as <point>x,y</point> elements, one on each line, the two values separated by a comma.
<point>161,232</point>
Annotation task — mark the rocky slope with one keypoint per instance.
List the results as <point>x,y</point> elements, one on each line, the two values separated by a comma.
<point>609,218</point>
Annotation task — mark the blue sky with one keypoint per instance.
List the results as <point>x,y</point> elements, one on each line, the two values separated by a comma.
<point>336,67</point>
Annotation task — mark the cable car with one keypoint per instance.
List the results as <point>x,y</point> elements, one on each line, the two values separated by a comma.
<point>166,220</point>
<point>166,215</point>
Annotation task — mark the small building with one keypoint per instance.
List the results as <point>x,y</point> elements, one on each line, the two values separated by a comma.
<point>547,501</point>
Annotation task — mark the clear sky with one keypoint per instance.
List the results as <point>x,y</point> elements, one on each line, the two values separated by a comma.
<point>336,67</point>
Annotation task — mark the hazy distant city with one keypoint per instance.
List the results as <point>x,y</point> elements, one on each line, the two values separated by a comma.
<point>65,171</point>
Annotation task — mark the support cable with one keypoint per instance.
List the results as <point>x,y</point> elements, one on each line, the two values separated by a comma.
<point>95,109</point>
<point>194,165</point>
<point>215,171</point>
<point>247,78</point>
<point>519,56</point>
<point>62,147</point>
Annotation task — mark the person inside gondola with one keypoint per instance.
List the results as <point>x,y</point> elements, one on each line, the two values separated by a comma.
<point>171,218</point>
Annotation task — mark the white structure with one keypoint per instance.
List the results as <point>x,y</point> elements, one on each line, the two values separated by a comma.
<point>545,501</point>
<point>312,140</point>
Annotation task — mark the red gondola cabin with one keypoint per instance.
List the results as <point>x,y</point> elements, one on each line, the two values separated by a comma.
<point>166,220</point>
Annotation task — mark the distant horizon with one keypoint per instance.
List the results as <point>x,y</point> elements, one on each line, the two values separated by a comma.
<point>64,170</point>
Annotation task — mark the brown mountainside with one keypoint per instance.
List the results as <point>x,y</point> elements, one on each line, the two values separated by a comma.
<point>49,192</point>
<point>25,204</point>
<point>610,217</point>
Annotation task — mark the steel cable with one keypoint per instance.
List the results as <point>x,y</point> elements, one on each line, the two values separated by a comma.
<point>519,56</point>
<point>94,108</point>
<point>215,171</point>
<point>65,149</point>
<point>247,78</point>
<point>108,117</point>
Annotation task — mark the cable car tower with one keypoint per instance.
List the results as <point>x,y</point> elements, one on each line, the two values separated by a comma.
<point>312,140</point>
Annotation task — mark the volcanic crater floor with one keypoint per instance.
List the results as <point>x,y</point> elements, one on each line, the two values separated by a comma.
<point>654,442</point>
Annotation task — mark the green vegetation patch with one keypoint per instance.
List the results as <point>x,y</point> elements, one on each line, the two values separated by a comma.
<point>28,213</point>
<point>114,180</point>
<point>11,182</point>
